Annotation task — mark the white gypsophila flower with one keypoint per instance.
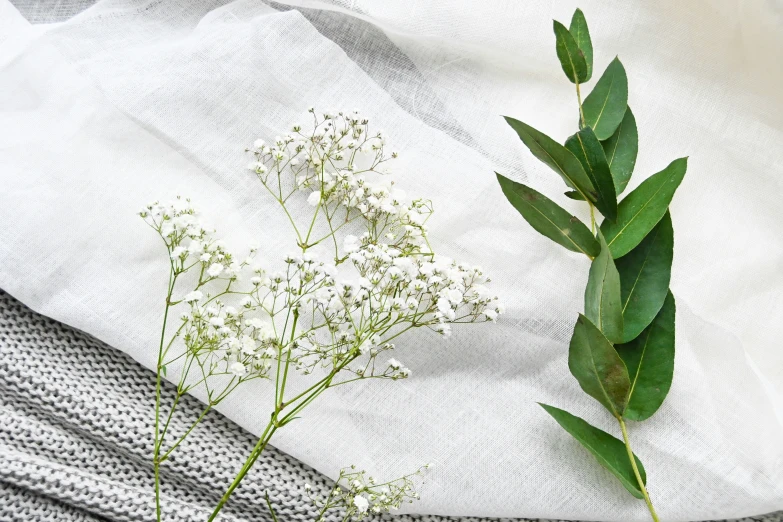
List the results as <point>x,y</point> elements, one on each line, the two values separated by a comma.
<point>237,369</point>
<point>215,269</point>
<point>360,495</point>
<point>361,503</point>
<point>193,296</point>
<point>314,198</point>
<point>195,247</point>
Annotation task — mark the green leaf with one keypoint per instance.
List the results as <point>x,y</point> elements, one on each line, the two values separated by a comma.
<point>650,361</point>
<point>163,370</point>
<point>588,150</point>
<point>643,208</point>
<point>557,157</point>
<point>608,450</point>
<point>596,365</point>
<point>621,149</point>
<point>605,106</point>
<point>581,35</point>
<point>571,57</point>
<point>645,272</point>
<point>602,295</point>
<point>572,194</point>
<point>549,219</point>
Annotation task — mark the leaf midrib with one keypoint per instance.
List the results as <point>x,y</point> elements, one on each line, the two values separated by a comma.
<point>560,168</point>
<point>639,368</point>
<point>606,100</point>
<point>601,298</point>
<point>587,160</point>
<point>641,269</point>
<point>609,465</point>
<point>573,67</point>
<point>616,145</point>
<point>663,184</point>
<point>600,383</point>
<point>553,224</point>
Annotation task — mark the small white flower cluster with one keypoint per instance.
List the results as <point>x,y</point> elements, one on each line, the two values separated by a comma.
<point>189,243</point>
<point>401,284</point>
<point>232,343</point>
<point>217,338</point>
<point>359,496</point>
<point>343,165</point>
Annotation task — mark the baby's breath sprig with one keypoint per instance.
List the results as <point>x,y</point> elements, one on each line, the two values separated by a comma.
<point>358,495</point>
<point>333,318</point>
<point>622,348</point>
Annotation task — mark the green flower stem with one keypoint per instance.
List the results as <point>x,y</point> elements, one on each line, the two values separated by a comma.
<point>257,450</point>
<point>636,470</point>
<point>156,455</point>
<point>579,99</point>
<point>271,510</point>
<point>192,426</point>
<point>287,359</point>
<point>275,423</point>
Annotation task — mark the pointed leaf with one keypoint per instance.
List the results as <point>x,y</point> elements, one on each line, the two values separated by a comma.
<point>572,194</point>
<point>643,208</point>
<point>650,361</point>
<point>596,365</point>
<point>605,106</point>
<point>571,58</point>
<point>608,450</point>
<point>588,150</point>
<point>621,149</point>
<point>578,30</point>
<point>602,295</point>
<point>549,219</point>
<point>557,157</point>
<point>645,272</point>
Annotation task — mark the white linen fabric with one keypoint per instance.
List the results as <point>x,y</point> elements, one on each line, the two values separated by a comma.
<point>135,101</point>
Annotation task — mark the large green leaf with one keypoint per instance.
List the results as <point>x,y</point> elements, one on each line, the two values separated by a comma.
<point>650,362</point>
<point>549,219</point>
<point>578,30</point>
<point>643,208</point>
<point>571,57</point>
<point>596,365</point>
<point>605,106</point>
<point>588,150</point>
<point>608,450</point>
<point>621,149</point>
<point>557,157</point>
<point>645,272</point>
<point>602,295</point>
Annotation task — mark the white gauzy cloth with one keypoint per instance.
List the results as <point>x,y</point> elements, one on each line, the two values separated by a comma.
<point>135,101</point>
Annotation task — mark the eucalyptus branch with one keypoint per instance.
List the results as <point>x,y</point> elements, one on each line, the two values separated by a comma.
<point>622,348</point>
